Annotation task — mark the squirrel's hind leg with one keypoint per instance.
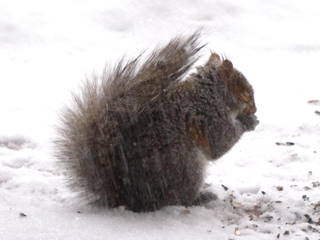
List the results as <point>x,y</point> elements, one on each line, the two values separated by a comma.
<point>204,198</point>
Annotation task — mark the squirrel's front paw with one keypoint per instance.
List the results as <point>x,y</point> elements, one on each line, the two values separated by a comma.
<point>248,121</point>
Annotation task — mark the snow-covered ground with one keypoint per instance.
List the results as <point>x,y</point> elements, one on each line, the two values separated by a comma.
<point>268,185</point>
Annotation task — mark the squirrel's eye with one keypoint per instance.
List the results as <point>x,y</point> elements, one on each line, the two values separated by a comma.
<point>245,97</point>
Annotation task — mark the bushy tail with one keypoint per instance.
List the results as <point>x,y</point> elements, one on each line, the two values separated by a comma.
<point>134,83</point>
<point>87,130</point>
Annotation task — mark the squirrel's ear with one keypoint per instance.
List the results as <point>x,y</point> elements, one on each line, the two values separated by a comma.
<point>214,59</point>
<point>227,64</point>
<point>225,69</point>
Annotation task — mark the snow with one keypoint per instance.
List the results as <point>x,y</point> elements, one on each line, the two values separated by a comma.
<point>265,190</point>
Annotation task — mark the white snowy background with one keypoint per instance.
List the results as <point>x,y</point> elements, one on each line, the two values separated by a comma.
<point>266,190</point>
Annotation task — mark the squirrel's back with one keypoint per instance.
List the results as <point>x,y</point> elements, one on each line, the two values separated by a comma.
<point>134,137</point>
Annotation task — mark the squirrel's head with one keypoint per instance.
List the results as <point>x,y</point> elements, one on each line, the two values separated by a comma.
<point>232,97</point>
<point>238,87</point>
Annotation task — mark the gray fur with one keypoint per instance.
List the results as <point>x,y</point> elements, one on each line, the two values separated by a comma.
<point>135,137</point>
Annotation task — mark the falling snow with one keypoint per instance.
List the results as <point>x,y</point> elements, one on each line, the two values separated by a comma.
<point>268,185</point>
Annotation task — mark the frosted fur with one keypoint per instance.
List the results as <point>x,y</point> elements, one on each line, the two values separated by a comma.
<point>133,136</point>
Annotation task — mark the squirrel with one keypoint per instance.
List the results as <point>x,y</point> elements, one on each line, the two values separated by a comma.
<point>140,135</point>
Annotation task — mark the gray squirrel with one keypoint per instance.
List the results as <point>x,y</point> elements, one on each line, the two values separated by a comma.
<point>140,135</point>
